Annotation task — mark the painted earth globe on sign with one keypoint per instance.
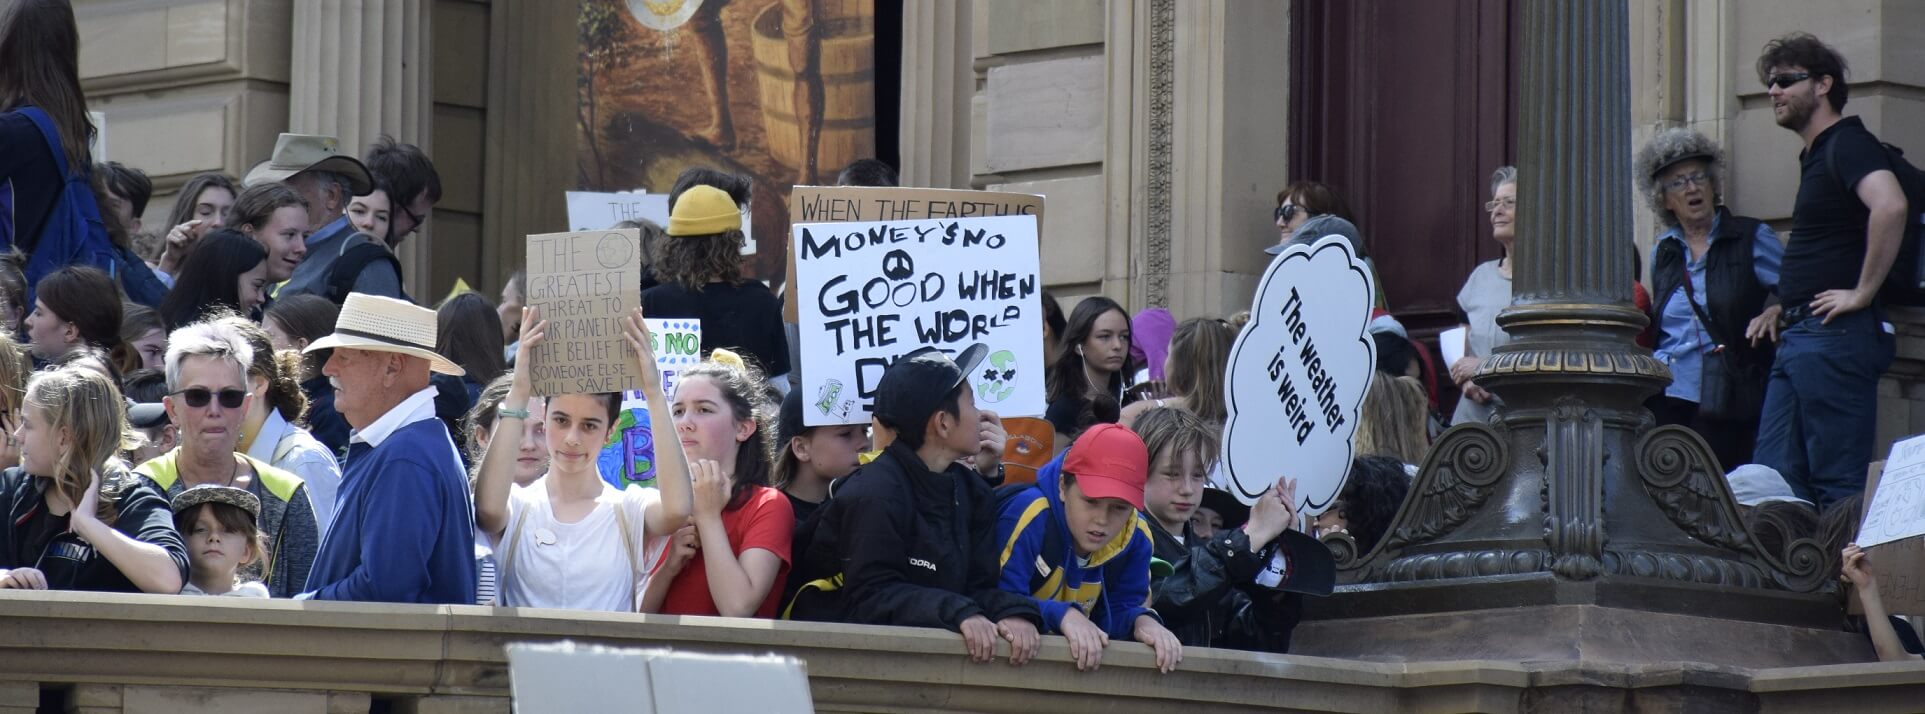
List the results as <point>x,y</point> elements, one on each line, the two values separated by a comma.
<point>997,381</point>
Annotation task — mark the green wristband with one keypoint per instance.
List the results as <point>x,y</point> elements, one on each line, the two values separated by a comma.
<point>512,413</point>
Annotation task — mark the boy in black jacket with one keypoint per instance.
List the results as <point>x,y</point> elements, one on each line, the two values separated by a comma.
<point>1217,594</point>
<point>910,538</point>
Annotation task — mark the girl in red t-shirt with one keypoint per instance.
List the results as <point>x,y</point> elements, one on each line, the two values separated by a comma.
<point>731,559</point>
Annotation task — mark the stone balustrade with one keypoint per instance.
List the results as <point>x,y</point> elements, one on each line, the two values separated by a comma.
<point>109,653</point>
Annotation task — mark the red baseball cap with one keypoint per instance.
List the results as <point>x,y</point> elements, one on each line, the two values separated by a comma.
<point>1109,461</point>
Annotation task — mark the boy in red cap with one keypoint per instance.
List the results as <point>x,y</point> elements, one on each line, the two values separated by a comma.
<point>1075,544</point>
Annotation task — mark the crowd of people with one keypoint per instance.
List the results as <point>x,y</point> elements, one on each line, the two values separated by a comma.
<point>244,401</point>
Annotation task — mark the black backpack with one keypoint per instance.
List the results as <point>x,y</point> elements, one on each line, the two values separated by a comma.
<point>1905,284</point>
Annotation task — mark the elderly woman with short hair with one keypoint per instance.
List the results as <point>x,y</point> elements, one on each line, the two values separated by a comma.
<point>1714,281</point>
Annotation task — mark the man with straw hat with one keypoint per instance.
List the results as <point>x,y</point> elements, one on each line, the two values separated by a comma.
<point>402,530</point>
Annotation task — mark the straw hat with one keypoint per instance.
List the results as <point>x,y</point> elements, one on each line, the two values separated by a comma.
<point>380,324</point>
<point>294,153</point>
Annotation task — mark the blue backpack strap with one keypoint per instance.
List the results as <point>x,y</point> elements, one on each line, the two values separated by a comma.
<point>74,232</point>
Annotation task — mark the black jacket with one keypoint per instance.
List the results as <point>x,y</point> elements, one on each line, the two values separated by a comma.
<point>33,538</point>
<point>1733,294</point>
<point>1211,599</point>
<point>900,545</point>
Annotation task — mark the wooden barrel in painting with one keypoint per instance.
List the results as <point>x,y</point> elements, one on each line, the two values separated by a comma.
<point>848,85</point>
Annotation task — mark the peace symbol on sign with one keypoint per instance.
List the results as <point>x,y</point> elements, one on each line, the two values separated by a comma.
<point>897,265</point>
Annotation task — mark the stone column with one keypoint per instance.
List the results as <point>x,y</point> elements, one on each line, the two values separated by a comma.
<point>1569,527</point>
<point>531,145</point>
<point>937,83</point>
<point>361,69</point>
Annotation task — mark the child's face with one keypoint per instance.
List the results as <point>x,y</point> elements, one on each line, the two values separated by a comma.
<point>212,548</point>
<point>577,428</point>
<point>1093,521</point>
<point>706,423</point>
<point>1206,522</point>
<point>159,440</point>
<point>965,435</point>
<point>1175,487</point>
<point>832,451</point>
<point>40,443</point>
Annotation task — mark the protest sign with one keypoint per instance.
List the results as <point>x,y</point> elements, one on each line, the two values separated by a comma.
<point>858,204</point>
<point>1298,374</point>
<point>1899,564</point>
<point>1899,510</point>
<point>583,283</point>
<point>597,210</point>
<point>629,456</point>
<point>872,292</point>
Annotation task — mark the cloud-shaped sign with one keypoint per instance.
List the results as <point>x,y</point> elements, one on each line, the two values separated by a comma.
<point>1298,375</point>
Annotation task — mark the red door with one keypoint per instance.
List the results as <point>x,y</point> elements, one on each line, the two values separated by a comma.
<point>1406,107</point>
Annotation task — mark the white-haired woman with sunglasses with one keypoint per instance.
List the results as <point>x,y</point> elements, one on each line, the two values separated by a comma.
<point>1714,281</point>
<point>208,399</point>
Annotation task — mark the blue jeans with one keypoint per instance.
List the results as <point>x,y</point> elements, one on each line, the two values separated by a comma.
<point>1821,410</point>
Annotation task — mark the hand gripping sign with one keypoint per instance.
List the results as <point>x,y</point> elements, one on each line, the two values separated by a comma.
<point>1298,375</point>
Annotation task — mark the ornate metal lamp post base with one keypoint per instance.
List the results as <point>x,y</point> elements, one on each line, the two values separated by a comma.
<point>1569,527</point>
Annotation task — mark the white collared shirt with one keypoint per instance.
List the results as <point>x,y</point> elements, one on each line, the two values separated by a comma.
<point>289,448</point>
<point>417,407</point>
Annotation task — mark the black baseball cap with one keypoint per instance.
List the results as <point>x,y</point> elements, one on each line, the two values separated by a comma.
<point>788,424</point>
<point>914,387</point>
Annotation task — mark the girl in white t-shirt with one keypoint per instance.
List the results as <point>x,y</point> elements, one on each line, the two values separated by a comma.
<point>571,540</point>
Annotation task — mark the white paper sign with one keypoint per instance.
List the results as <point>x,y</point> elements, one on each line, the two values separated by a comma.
<point>1453,343</point>
<point>871,292</point>
<point>1897,510</point>
<point>1298,374</point>
<point>594,210</point>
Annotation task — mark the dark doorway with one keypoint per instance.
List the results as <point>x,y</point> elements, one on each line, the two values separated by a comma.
<point>1406,107</point>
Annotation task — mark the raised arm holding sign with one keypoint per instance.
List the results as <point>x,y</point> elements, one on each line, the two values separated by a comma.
<point>1298,375</point>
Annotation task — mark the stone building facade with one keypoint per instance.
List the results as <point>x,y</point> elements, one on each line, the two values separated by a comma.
<point>1160,130</point>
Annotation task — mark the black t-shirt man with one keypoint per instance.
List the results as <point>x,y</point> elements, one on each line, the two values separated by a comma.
<point>742,317</point>
<point>1828,242</point>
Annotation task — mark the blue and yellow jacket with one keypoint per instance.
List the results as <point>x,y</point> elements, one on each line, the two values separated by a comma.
<point>1039,560</point>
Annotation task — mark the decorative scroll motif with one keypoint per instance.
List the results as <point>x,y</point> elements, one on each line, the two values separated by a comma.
<point>1682,478</point>
<point>1162,103</point>
<point>1457,477</point>
<point>1574,490</point>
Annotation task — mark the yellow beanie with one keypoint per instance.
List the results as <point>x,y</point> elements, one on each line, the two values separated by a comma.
<point>704,210</point>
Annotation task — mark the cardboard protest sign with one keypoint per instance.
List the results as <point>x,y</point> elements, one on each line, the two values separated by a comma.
<point>857,204</point>
<point>1899,564</point>
<point>872,292</point>
<point>583,282</point>
<point>1298,374</point>
<point>629,456</point>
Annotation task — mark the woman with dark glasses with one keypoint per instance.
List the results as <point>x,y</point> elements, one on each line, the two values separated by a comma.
<point>75,518</point>
<point>208,400</point>
<point>1303,200</point>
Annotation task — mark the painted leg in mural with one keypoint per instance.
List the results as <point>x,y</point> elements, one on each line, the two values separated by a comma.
<point>801,24</point>
<point>713,47</point>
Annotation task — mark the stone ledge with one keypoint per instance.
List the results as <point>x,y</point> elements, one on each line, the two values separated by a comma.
<point>449,659</point>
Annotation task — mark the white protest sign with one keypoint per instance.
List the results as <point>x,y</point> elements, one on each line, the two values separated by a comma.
<point>1298,374</point>
<point>871,292</point>
<point>1897,510</point>
<point>595,210</point>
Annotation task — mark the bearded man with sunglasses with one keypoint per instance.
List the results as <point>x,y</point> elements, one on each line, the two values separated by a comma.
<point>1821,408</point>
<point>207,400</point>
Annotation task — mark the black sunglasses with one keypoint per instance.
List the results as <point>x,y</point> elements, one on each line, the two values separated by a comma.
<point>1784,81</point>
<point>1287,211</point>
<point>197,397</point>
